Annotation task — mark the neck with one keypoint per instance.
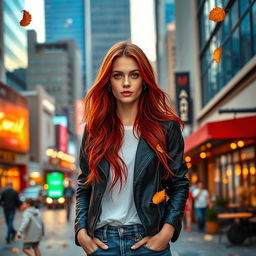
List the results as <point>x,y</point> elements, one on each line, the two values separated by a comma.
<point>127,113</point>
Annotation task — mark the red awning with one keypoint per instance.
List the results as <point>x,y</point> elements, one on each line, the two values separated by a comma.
<point>237,128</point>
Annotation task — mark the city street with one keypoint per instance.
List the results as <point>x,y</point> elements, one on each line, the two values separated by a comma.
<point>59,240</point>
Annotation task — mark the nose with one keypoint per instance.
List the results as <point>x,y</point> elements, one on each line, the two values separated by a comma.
<point>126,80</point>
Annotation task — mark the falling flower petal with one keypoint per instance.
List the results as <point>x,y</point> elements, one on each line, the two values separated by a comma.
<point>158,147</point>
<point>15,250</point>
<point>159,197</point>
<point>26,19</point>
<point>217,14</point>
<point>208,238</point>
<point>217,54</point>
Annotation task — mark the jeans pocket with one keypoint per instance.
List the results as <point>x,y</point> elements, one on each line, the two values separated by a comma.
<point>89,254</point>
<point>147,248</point>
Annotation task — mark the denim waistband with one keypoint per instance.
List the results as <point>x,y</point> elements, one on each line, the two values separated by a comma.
<point>121,230</point>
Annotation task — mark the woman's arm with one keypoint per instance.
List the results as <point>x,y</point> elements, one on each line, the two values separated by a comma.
<point>178,185</point>
<point>83,193</point>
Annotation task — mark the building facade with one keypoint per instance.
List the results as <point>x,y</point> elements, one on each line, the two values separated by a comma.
<point>66,23</point>
<point>107,22</point>
<point>56,66</point>
<point>14,138</point>
<point>13,45</point>
<point>221,149</point>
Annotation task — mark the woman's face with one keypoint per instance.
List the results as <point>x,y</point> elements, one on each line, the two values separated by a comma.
<point>125,76</point>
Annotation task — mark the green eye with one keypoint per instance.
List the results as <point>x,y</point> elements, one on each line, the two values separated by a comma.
<point>135,75</point>
<point>117,76</point>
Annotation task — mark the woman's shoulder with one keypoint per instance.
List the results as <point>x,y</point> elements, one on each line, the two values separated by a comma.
<point>172,124</point>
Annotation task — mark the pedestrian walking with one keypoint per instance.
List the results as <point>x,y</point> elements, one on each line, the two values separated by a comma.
<point>131,161</point>
<point>10,201</point>
<point>68,195</point>
<point>202,201</point>
<point>188,211</point>
<point>31,228</point>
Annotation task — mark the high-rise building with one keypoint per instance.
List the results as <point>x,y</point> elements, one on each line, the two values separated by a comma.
<point>55,66</point>
<point>66,20</point>
<point>13,44</point>
<point>221,149</point>
<point>108,21</point>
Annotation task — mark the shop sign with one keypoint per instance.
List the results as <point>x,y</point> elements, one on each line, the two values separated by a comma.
<point>183,98</point>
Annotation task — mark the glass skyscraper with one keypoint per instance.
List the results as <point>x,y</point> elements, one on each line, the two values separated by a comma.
<point>65,19</point>
<point>108,22</point>
<point>14,44</point>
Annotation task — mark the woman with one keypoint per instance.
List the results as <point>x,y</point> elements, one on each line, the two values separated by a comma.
<point>132,147</point>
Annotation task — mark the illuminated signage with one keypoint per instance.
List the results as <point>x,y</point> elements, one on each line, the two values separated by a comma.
<point>79,117</point>
<point>55,184</point>
<point>183,98</point>
<point>14,121</point>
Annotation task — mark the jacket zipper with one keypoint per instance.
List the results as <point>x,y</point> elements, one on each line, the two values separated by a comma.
<point>159,213</point>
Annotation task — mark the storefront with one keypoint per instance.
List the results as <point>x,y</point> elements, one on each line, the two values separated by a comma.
<point>223,155</point>
<point>14,138</point>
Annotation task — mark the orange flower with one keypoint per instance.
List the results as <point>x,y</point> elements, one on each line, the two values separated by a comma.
<point>217,54</point>
<point>26,19</point>
<point>217,14</point>
<point>159,197</point>
<point>158,147</point>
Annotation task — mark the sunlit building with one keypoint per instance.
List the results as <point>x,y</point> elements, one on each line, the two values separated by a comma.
<point>13,45</point>
<point>107,22</point>
<point>221,149</point>
<point>56,66</point>
<point>66,20</point>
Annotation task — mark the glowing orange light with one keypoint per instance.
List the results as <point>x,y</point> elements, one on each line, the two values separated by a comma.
<point>229,173</point>
<point>233,145</point>
<point>245,171</point>
<point>203,155</point>
<point>189,165</point>
<point>225,181</point>
<point>238,171</point>
<point>240,143</point>
<point>209,145</point>
<point>252,171</point>
<point>187,159</point>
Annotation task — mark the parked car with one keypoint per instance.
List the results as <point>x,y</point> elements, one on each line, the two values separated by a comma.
<point>36,193</point>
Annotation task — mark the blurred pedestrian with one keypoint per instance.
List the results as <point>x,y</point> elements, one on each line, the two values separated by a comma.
<point>202,201</point>
<point>131,132</point>
<point>188,211</point>
<point>31,228</point>
<point>68,195</point>
<point>10,202</point>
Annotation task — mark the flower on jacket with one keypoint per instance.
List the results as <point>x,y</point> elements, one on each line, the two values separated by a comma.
<point>26,19</point>
<point>159,197</point>
<point>217,14</point>
<point>158,147</point>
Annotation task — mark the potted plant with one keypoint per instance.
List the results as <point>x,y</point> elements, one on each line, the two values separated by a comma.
<point>212,224</point>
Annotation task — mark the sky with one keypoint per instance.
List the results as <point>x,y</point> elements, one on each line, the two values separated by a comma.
<point>142,23</point>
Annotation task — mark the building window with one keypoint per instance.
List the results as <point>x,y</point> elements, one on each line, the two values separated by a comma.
<point>236,35</point>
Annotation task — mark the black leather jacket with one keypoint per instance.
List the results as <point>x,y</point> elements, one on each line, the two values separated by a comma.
<point>147,181</point>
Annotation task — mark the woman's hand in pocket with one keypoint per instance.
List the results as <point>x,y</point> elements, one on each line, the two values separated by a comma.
<point>88,244</point>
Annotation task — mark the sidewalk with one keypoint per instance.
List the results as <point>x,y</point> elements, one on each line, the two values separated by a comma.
<point>200,244</point>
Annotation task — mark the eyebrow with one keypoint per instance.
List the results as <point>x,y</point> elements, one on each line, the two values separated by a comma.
<point>122,71</point>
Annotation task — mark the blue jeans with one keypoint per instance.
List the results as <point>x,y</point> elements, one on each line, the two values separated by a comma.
<point>200,217</point>
<point>9,217</point>
<point>120,240</point>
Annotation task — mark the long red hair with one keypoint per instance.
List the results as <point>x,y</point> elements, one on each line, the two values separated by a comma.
<point>103,127</point>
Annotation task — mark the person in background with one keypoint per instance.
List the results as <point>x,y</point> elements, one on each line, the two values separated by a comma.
<point>10,201</point>
<point>202,201</point>
<point>69,192</point>
<point>31,228</point>
<point>188,211</point>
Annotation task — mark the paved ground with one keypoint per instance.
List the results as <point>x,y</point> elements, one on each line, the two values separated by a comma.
<point>59,240</point>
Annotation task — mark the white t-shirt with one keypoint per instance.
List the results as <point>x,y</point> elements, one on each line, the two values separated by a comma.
<point>201,200</point>
<point>119,208</point>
